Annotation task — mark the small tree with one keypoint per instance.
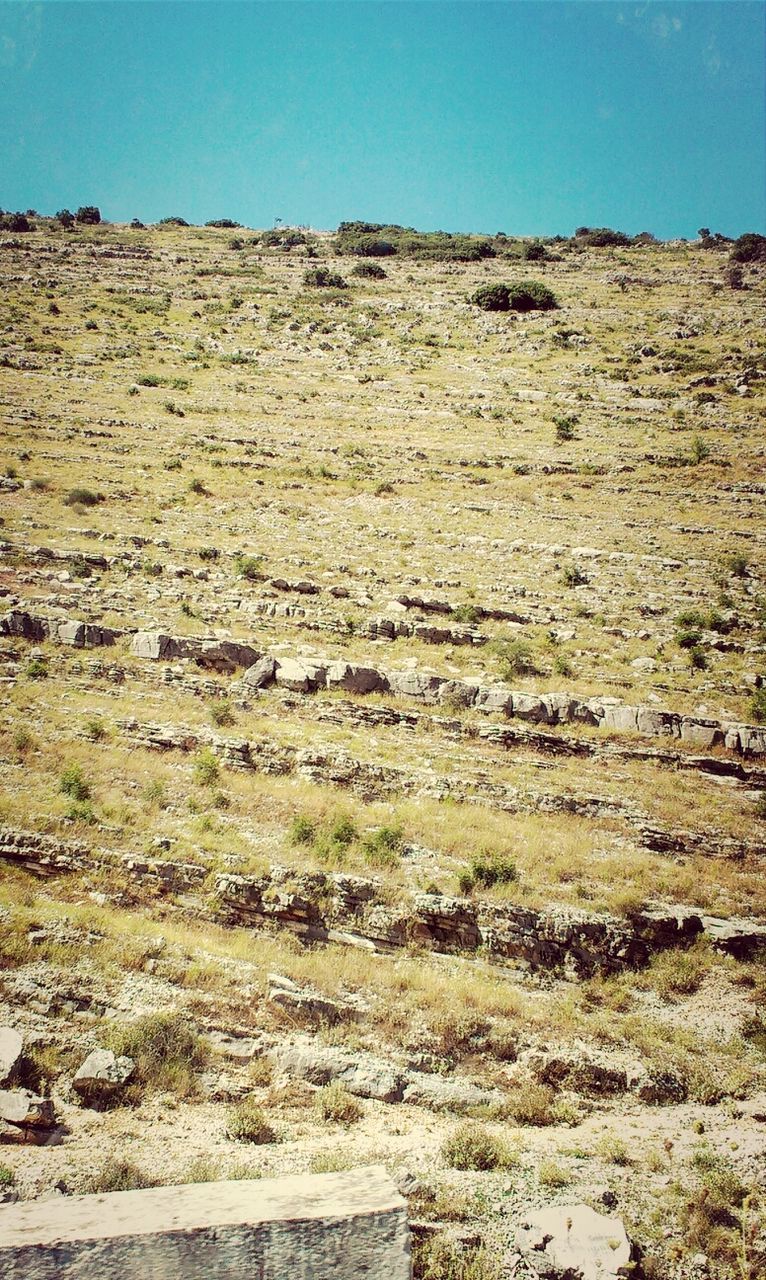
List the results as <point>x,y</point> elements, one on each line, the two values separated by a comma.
<point>88,215</point>
<point>65,217</point>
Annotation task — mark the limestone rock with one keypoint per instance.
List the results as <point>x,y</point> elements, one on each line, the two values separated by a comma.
<point>448,1095</point>
<point>309,1005</point>
<point>11,1044</point>
<point>361,1073</point>
<point>18,623</point>
<point>155,645</point>
<point>225,655</point>
<point>25,1110</point>
<point>102,1075</point>
<point>302,675</point>
<point>84,635</point>
<point>412,684</point>
<point>354,678</point>
<point>575,1243</point>
<point>260,674</point>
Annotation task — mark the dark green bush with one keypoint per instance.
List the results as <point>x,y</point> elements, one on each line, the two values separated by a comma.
<point>88,215</point>
<point>83,498</point>
<point>492,297</point>
<point>530,295</point>
<point>368,271</point>
<point>749,247</point>
<point>72,783</point>
<point>65,217</point>
<point>224,223</point>
<point>601,237</point>
<point>321,278</point>
<point>15,222</point>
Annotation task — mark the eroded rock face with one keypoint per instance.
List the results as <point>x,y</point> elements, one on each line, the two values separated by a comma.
<point>574,1243</point>
<point>307,675</point>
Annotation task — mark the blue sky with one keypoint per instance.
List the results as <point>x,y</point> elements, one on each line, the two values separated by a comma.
<point>497,115</point>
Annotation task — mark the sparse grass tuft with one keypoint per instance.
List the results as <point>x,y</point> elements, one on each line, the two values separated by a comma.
<point>334,1102</point>
<point>472,1146</point>
<point>246,1122</point>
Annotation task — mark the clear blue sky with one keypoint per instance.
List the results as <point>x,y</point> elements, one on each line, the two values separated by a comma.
<point>501,115</point>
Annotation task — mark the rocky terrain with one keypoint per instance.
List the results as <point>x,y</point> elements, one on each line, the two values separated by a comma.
<point>383,734</point>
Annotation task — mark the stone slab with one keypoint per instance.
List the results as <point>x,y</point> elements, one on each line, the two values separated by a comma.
<point>337,1226</point>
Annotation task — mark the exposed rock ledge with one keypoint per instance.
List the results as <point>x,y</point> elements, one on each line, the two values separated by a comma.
<point>307,676</point>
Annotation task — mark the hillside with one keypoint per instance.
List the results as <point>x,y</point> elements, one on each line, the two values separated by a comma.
<point>384,726</point>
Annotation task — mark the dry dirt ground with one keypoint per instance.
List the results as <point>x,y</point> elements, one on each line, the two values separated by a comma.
<point>196,443</point>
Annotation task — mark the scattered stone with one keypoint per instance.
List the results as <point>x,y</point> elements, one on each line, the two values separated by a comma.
<point>25,1110</point>
<point>102,1076</point>
<point>575,1243</point>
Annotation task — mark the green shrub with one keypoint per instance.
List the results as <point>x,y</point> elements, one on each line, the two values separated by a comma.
<point>119,1175</point>
<point>678,972</point>
<point>95,729</point>
<point>7,1177</point>
<point>382,847</point>
<point>72,783</point>
<point>17,222</point>
<point>166,1050</point>
<point>737,564</point>
<point>250,567</point>
<point>488,870</point>
<point>758,706</point>
<point>472,1147</point>
<point>532,1103</point>
<point>322,278</point>
<point>37,669</point>
<point>206,768</point>
<point>334,1102</point>
<point>222,713</point>
<point>83,498</point>
<point>550,1174</point>
<point>565,426</point>
<point>601,237</point>
<point>688,639</point>
<point>368,271</point>
<point>516,659</point>
<point>531,295</point>
<point>573,576</point>
<point>302,830</point>
<point>342,831</point>
<point>749,247</point>
<point>492,297</point>
<point>246,1122</point>
<point>438,1257</point>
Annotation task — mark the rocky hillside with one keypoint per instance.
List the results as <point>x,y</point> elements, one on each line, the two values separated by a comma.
<point>383,731</point>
